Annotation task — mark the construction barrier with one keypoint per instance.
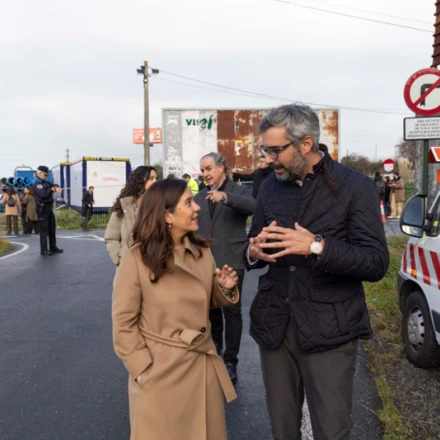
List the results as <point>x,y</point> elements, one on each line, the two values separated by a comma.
<point>382,211</point>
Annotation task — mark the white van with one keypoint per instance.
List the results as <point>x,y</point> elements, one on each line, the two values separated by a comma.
<point>419,282</point>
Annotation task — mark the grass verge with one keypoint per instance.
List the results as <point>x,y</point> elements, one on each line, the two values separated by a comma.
<point>386,346</point>
<point>69,219</point>
<point>5,246</point>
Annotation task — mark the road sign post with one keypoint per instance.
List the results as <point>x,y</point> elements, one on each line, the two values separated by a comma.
<point>422,96</point>
<point>425,166</point>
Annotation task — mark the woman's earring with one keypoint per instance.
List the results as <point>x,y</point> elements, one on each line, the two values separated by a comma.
<point>170,225</point>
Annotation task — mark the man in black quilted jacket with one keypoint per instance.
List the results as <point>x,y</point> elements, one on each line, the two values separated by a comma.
<point>317,224</point>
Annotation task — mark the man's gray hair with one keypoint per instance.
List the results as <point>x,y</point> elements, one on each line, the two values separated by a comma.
<point>218,160</point>
<point>298,120</point>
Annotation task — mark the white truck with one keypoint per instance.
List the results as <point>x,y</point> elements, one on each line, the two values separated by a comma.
<point>419,282</point>
<point>107,174</point>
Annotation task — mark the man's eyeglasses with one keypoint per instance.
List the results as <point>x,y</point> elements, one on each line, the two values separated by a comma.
<point>273,152</point>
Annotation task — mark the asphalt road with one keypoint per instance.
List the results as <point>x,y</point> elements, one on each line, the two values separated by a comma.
<point>59,376</point>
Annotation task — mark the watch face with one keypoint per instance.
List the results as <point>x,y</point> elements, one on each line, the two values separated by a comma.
<point>316,247</point>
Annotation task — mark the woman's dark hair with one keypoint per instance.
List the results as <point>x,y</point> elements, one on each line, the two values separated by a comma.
<point>152,231</point>
<point>11,191</point>
<point>134,187</point>
<point>30,191</point>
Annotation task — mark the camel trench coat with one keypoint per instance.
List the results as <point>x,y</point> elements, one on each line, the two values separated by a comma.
<point>399,191</point>
<point>161,332</point>
<point>31,208</point>
<point>11,210</point>
<point>118,236</point>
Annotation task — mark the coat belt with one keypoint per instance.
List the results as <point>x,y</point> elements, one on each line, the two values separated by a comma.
<point>193,340</point>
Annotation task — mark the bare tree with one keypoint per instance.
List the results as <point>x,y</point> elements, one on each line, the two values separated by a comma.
<point>362,164</point>
<point>408,150</point>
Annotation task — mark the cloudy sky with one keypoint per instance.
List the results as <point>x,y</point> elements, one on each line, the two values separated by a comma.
<point>68,69</point>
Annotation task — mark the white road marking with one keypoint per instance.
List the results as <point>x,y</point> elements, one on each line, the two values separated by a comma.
<point>23,249</point>
<point>82,237</point>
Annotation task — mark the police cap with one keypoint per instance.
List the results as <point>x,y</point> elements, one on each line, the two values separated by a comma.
<point>44,169</point>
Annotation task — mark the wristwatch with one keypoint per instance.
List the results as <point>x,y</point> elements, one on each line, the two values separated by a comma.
<point>316,246</point>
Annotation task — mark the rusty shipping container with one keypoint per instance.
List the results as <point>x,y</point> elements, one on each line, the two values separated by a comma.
<point>188,134</point>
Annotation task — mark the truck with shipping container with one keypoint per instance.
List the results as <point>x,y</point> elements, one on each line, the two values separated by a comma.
<point>107,175</point>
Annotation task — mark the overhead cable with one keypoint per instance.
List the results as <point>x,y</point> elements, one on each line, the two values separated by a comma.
<point>354,16</point>
<point>339,5</point>
<point>265,96</point>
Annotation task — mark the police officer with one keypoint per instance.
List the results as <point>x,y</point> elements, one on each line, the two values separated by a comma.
<point>43,193</point>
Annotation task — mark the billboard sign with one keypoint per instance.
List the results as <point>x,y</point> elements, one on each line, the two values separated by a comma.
<point>188,134</point>
<point>155,135</point>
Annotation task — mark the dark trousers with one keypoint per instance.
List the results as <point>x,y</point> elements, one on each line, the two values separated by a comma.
<point>9,220</point>
<point>233,325</point>
<point>86,219</point>
<point>47,227</point>
<point>23,219</point>
<point>31,226</point>
<point>326,378</point>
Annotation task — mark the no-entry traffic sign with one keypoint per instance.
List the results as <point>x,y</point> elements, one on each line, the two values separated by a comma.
<point>389,165</point>
<point>422,92</point>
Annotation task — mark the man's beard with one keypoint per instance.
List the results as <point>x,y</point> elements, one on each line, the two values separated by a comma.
<point>295,170</point>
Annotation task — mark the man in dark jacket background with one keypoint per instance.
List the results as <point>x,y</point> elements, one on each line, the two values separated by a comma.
<point>224,209</point>
<point>257,177</point>
<point>380,186</point>
<point>318,225</point>
<point>87,208</point>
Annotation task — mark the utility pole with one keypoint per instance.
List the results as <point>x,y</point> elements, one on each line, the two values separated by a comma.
<point>144,70</point>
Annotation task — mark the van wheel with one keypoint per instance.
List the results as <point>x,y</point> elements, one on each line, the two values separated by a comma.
<point>417,333</point>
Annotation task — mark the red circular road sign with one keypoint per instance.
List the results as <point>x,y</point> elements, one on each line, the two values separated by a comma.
<point>389,165</point>
<point>422,92</point>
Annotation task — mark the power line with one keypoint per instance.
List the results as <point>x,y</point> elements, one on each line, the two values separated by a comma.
<point>370,12</point>
<point>354,16</point>
<point>247,92</point>
<point>210,88</point>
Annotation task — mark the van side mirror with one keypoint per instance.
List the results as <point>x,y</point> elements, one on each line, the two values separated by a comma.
<point>413,216</point>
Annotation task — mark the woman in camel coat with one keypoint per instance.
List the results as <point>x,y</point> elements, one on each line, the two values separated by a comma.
<point>163,290</point>
<point>398,195</point>
<point>11,212</point>
<point>118,235</point>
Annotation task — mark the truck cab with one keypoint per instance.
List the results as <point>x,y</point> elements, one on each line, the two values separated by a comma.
<point>419,282</point>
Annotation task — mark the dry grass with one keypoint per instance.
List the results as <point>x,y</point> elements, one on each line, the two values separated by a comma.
<point>5,246</point>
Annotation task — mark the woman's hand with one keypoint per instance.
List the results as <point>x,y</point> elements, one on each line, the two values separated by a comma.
<point>227,277</point>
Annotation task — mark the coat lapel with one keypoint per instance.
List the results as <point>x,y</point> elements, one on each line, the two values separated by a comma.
<point>189,247</point>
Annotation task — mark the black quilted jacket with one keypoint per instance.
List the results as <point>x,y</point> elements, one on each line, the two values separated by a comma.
<point>323,295</point>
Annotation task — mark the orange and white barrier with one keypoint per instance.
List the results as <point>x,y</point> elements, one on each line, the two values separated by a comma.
<point>382,211</point>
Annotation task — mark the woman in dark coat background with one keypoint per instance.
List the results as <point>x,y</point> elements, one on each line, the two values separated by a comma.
<point>30,218</point>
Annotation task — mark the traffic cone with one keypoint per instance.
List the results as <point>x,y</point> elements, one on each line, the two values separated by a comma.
<point>382,211</point>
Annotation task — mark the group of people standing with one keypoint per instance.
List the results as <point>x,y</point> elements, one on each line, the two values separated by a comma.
<point>180,261</point>
<point>391,193</point>
<point>36,209</point>
<point>23,206</point>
